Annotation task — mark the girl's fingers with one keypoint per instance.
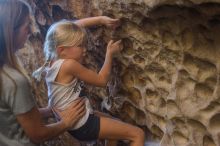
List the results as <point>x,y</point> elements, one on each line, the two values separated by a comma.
<point>118,42</point>
<point>115,43</point>
<point>114,21</point>
<point>110,42</point>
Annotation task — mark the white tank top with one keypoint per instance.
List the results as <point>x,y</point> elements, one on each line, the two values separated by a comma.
<point>62,95</point>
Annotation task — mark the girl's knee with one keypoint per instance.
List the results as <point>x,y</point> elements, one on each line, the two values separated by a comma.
<point>139,134</point>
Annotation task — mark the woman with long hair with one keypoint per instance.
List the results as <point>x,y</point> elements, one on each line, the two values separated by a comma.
<point>21,121</point>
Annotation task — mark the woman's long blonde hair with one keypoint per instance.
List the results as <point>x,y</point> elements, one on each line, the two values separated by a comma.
<point>12,15</point>
<point>61,34</point>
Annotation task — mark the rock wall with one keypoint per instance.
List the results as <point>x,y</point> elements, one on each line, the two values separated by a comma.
<point>166,80</point>
<point>170,69</point>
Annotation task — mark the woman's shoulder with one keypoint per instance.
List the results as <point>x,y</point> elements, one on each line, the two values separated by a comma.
<point>10,75</point>
<point>16,91</point>
<point>13,81</point>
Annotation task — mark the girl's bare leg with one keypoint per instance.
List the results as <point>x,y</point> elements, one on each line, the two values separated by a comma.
<point>108,142</point>
<point>111,143</point>
<point>115,130</point>
<point>101,114</point>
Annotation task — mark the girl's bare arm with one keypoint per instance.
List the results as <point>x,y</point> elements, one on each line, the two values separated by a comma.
<point>99,20</point>
<point>71,67</point>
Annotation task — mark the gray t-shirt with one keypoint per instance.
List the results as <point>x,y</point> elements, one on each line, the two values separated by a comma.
<point>11,104</point>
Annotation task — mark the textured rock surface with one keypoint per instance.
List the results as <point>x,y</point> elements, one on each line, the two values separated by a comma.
<point>169,69</point>
<point>166,79</point>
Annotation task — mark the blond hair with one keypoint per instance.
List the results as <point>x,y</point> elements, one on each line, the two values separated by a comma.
<point>13,14</point>
<point>61,34</point>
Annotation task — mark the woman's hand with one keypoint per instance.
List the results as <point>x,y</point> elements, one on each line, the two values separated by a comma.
<point>109,22</point>
<point>46,112</point>
<point>73,113</point>
<point>114,47</point>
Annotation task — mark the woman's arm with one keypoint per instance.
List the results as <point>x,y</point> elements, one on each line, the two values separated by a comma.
<point>99,20</point>
<point>36,129</point>
<point>71,67</point>
<point>46,112</point>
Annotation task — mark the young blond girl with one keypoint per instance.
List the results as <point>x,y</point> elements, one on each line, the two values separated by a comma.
<point>64,49</point>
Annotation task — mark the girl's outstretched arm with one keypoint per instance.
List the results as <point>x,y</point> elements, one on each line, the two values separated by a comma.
<point>72,68</point>
<point>99,20</point>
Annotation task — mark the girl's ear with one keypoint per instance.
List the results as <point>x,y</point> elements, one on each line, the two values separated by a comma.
<point>60,50</point>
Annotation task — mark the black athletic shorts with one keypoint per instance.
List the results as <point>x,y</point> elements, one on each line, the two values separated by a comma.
<point>89,131</point>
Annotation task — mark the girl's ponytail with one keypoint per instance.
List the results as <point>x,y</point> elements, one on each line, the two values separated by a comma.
<point>37,74</point>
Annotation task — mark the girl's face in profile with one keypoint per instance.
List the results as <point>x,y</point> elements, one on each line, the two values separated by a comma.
<point>76,53</point>
<point>22,33</point>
